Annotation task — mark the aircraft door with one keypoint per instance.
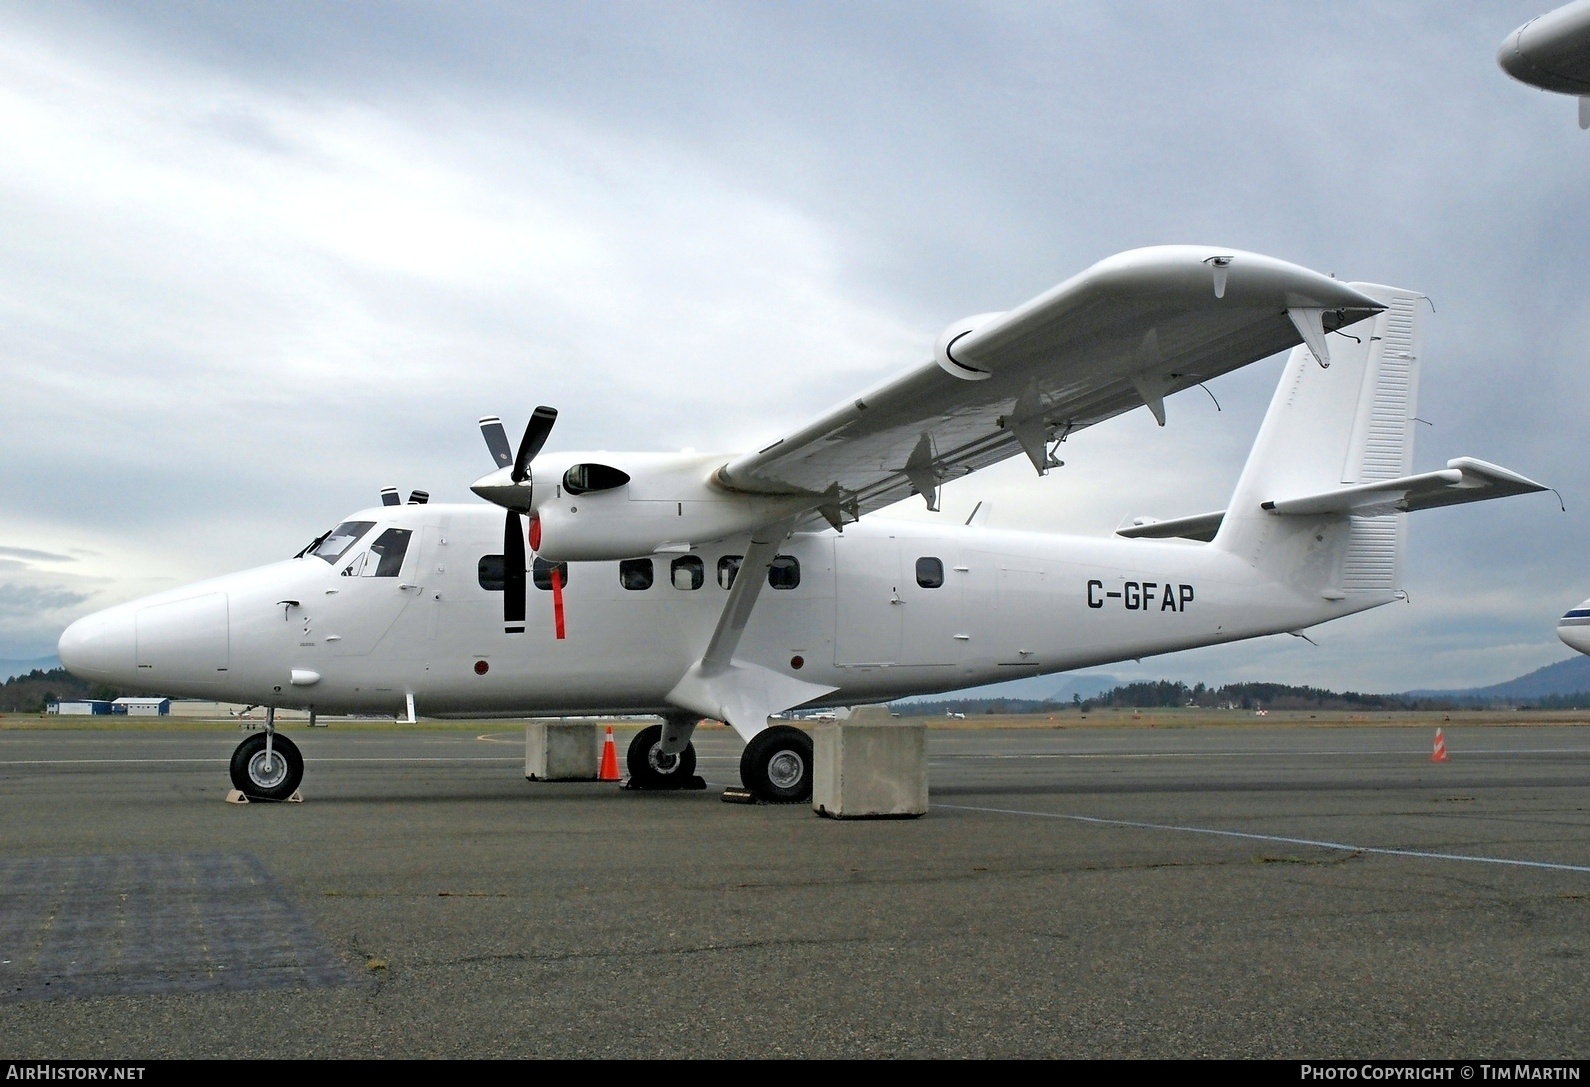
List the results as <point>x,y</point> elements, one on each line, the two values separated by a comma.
<point>869,610</point>
<point>931,589</point>
<point>977,574</point>
<point>415,632</point>
<point>373,587</point>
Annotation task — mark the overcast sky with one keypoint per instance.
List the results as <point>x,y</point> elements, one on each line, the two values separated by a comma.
<point>259,260</point>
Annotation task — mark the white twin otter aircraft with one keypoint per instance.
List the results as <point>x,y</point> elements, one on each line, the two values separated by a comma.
<point>735,587</point>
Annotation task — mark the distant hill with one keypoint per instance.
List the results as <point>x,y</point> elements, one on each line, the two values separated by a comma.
<point>22,668</point>
<point>1568,677</point>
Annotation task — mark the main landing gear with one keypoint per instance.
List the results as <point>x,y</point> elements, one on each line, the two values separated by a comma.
<point>777,765</point>
<point>267,766</point>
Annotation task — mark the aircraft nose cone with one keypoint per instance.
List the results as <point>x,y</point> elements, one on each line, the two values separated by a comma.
<point>100,646</point>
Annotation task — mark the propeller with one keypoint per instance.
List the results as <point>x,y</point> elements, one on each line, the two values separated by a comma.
<point>513,496</point>
<point>535,436</point>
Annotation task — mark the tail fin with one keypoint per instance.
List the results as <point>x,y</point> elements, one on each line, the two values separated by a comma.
<point>1348,423</point>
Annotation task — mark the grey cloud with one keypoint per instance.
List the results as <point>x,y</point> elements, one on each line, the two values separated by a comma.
<point>29,554</point>
<point>734,215</point>
<point>30,600</point>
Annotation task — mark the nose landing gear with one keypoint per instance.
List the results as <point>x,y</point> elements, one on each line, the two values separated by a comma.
<point>267,766</point>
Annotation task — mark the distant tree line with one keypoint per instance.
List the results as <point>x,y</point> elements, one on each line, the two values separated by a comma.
<point>1164,694</point>
<point>32,692</point>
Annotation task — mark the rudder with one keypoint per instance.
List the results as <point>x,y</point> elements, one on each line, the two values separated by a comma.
<point>1345,424</point>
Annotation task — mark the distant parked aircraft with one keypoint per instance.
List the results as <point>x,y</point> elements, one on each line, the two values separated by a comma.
<point>1574,628</point>
<point>1552,52</point>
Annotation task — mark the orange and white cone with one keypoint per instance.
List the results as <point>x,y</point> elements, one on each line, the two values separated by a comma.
<point>1438,753</point>
<point>609,770</point>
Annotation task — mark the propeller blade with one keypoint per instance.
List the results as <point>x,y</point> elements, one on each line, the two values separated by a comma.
<point>496,440</point>
<point>535,436</point>
<point>419,498</point>
<point>389,497</point>
<point>513,578</point>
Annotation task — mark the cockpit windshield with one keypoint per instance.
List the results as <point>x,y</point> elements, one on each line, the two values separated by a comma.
<point>336,543</point>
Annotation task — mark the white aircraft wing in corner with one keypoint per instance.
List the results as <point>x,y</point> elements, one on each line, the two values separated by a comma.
<point>1125,333</point>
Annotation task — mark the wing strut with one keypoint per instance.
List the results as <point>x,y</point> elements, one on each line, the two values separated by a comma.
<point>747,586</point>
<point>718,686</point>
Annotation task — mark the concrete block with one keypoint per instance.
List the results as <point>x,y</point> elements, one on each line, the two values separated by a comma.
<point>562,751</point>
<point>870,769</point>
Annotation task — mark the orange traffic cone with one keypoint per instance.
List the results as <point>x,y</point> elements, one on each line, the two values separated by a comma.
<point>609,770</point>
<point>1439,752</point>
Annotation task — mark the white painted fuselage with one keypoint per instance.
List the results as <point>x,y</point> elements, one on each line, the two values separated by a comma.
<point>306,633</point>
<point>1574,627</point>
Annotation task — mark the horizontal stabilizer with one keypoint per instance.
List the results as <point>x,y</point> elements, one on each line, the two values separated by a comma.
<point>1462,480</point>
<point>1201,527</point>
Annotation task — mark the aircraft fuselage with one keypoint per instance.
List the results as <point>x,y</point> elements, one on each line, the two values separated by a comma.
<point>864,617</point>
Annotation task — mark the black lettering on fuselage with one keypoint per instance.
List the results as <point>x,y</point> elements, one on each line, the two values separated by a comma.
<point>1140,596</point>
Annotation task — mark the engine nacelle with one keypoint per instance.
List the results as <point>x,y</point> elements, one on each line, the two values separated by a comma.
<point>665,502</point>
<point>944,348</point>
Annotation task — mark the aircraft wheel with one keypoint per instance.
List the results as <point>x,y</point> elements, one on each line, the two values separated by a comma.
<point>649,768</point>
<point>258,781</point>
<point>777,765</point>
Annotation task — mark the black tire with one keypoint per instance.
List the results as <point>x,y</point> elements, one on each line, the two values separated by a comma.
<point>777,765</point>
<point>649,768</point>
<point>249,775</point>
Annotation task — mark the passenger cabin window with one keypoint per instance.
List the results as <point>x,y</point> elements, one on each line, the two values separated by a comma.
<point>541,574</point>
<point>340,539</point>
<point>385,557</point>
<point>593,477</point>
<point>635,574</point>
<point>728,566</point>
<point>688,573</point>
<point>492,573</point>
<point>929,573</point>
<point>784,572</point>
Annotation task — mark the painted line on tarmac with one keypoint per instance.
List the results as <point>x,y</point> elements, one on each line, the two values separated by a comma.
<point>92,762</point>
<point>1248,836</point>
<point>318,758</point>
<point>1452,752</point>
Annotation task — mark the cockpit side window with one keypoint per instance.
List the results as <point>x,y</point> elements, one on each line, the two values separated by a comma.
<point>386,554</point>
<point>337,542</point>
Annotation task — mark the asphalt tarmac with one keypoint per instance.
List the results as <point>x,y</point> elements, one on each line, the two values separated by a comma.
<point>1228,892</point>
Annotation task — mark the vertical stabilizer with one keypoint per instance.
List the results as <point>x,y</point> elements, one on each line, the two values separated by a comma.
<point>1348,423</point>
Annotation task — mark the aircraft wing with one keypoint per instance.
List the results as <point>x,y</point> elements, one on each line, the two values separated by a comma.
<point>1127,332</point>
